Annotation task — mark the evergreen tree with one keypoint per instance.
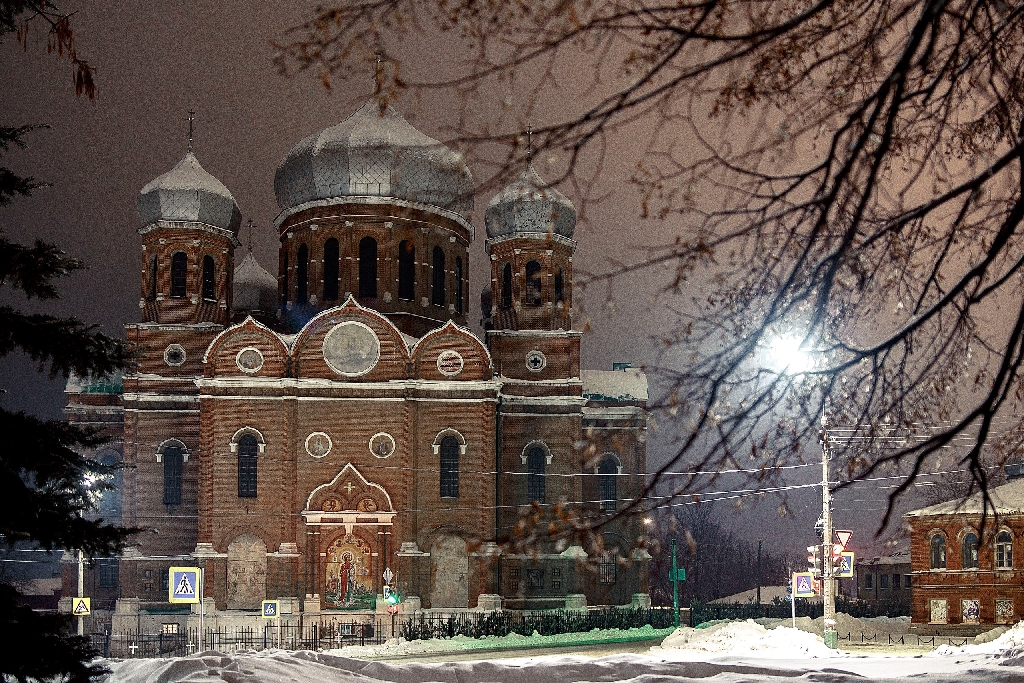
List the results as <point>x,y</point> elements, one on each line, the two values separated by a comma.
<point>47,480</point>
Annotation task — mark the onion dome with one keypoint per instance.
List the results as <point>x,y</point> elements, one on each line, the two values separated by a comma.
<point>255,288</point>
<point>376,155</point>
<point>188,193</point>
<point>530,205</point>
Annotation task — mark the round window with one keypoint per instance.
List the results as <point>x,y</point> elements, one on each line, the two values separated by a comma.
<point>318,444</point>
<point>382,445</point>
<point>535,361</point>
<point>174,355</point>
<point>249,360</point>
<point>450,363</point>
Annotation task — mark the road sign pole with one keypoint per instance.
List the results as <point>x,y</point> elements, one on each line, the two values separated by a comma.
<point>675,585</point>
<point>200,589</point>
<point>828,587</point>
<point>81,590</point>
<point>792,597</point>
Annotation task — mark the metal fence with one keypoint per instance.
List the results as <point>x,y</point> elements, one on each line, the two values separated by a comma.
<point>780,609</point>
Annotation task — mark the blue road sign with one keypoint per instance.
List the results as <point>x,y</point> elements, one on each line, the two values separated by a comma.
<point>183,585</point>
<point>271,609</point>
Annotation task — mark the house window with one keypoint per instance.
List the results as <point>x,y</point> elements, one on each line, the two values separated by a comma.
<point>536,460</point>
<point>179,274</point>
<point>368,268</point>
<point>437,291</point>
<point>607,474</point>
<point>869,580</point>
<point>248,449</point>
<point>506,286</point>
<point>406,270</point>
<point>1004,550</point>
<point>535,578</point>
<point>459,285</point>
<point>106,573</point>
<point>173,457</point>
<point>449,467</point>
<point>151,293</point>
<point>533,283</point>
<point>883,581</point>
<point>331,270</point>
<point>209,277</point>
<point>1004,611</point>
<point>895,581</point>
<point>970,551</point>
<point>302,274</point>
<point>906,580</point>
<point>938,552</point>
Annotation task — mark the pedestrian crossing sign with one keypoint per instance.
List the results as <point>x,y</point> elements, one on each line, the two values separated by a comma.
<point>271,609</point>
<point>183,585</point>
<point>81,607</point>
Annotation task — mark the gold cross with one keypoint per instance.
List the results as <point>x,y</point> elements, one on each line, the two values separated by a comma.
<point>191,127</point>
<point>348,487</point>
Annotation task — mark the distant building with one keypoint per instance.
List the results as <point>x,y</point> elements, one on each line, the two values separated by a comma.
<point>960,577</point>
<point>885,581</point>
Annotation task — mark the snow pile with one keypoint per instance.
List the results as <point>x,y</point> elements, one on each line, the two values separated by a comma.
<point>1009,647</point>
<point>747,638</point>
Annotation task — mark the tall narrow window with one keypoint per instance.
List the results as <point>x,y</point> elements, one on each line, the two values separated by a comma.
<point>331,270</point>
<point>173,458</point>
<point>607,474</point>
<point>406,270</point>
<point>533,283</point>
<point>536,461</point>
<point>938,552</point>
<point>151,293</point>
<point>248,449</point>
<point>302,274</point>
<point>459,285</point>
<point>209,277</point>
<point>449,467</point>
<point>437,291</point>
<point>559,286</point>
<point>506,286</point>
<point>179,274</point>
<point>1004,550</point>
<point>284,279</point>
<point>367,268</point>
<point>970,551</point>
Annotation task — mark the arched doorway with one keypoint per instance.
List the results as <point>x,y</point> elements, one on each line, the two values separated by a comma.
<point>449,572</point>
<point>247,572</point>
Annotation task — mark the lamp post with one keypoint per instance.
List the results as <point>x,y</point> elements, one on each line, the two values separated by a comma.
<point>828,585</point>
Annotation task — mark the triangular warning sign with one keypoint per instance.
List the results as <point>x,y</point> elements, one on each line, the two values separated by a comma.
<point>81,607</point>
<point>843,537</point>
<point>184,587</point>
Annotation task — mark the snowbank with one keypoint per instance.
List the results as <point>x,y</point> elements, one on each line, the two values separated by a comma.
<point>747,638</point>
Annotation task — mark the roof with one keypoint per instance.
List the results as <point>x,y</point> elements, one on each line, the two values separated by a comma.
<point>255,288</point>
<point>897,558</point>
<point>614,385</point>
<point>1008,499</point>
<point>531,206</point>
<point>768,595</point>
<point>189,194</point>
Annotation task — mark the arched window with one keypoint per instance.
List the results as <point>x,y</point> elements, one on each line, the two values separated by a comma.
<point>536,461</point>
<point>248,450</point>
<point>459,307</point>
<point>437,290</point>
<point>506,286</point>
<point>368,268</point>
<point>173,456</point>
<point>970,551</point>
<point>607,474</point>
<point>449,467</point>
<point>533,283</point>
<point>209,277</point>
<point>284,279</point>
<point>331,270</point>
<point>302,274</point>
<point>179,274</point>
<point>1004,550</point>
<point>406,270</point>
<point>559,286</point>
<point>938,552</point>
<point>151,291</point>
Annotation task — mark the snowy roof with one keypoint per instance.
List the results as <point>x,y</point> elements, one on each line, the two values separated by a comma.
<point>109,384</point>
<point>530,205</point>
<point>188,193</point>
<point>901,557</point>
<point>614,385</point>
<point>1008,499</point>
<point>374,153</point>
<point>255,288</point>
<point>768,595</point>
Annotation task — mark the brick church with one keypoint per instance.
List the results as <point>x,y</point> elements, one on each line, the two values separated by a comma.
<point>298,435</point>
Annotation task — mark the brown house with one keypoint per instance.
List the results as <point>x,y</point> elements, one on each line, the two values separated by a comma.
<point>961,576</point>
<point>299,437</point>
<point>885,581</point>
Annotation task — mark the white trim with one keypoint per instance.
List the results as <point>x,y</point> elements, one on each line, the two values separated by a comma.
<point>191,225</point>
<point>260,441</point>
<point>167,442</point>
<point>330,445</point>
<point>375,200</point>
<point>577,401</point>
<point>398,385</point>
<point>394,446</point>
<point>542,445</point>
<point>435,445</point>
<point>168,327</point>
<point>550,334</point>
<point>238,360</point>
<point>546,236</point>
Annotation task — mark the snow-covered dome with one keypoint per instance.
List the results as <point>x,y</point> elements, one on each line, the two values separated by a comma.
<point>188,193</point>
<point>529,205</point>
<point>374,154</point>
<point>255,288</point>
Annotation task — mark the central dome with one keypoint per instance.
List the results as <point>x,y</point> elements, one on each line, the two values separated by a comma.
<point>374,154</point>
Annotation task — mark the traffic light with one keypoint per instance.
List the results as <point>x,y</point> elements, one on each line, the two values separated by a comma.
<point>814,559</point>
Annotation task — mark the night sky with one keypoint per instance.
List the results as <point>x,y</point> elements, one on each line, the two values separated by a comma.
<point>154,64</point>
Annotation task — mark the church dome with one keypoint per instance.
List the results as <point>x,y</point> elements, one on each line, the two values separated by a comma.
<point>255,288</point>
<point>188,193</point>
<point>530,205</point>
<point>370,154</point>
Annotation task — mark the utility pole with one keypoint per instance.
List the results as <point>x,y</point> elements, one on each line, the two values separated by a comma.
<point>759,573</point>
<point>81,590</point>
<point>828,587</point>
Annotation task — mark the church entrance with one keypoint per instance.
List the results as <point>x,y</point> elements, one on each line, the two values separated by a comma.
<point>349,577</point>
<point>449,572</point>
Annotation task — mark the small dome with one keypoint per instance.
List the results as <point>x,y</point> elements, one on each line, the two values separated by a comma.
<point>255,288</point>
<point>188,193</point>
<point>529,205</point>
<point>369,154</point>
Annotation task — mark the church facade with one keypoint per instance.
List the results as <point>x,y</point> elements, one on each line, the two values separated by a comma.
<point>299,437</point>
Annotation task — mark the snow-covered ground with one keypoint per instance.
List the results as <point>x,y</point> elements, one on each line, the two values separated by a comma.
<point>735,652</point>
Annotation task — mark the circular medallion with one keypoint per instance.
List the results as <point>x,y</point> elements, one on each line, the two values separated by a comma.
<point>535,361</point>
<point>331,504</point>
<point>450,363</point>
<point>249,360</point>
<point>367,505</point>
<point>351,349</point>
<point>318,444</point>
<point>174,355</point>
<point>382,445</point>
